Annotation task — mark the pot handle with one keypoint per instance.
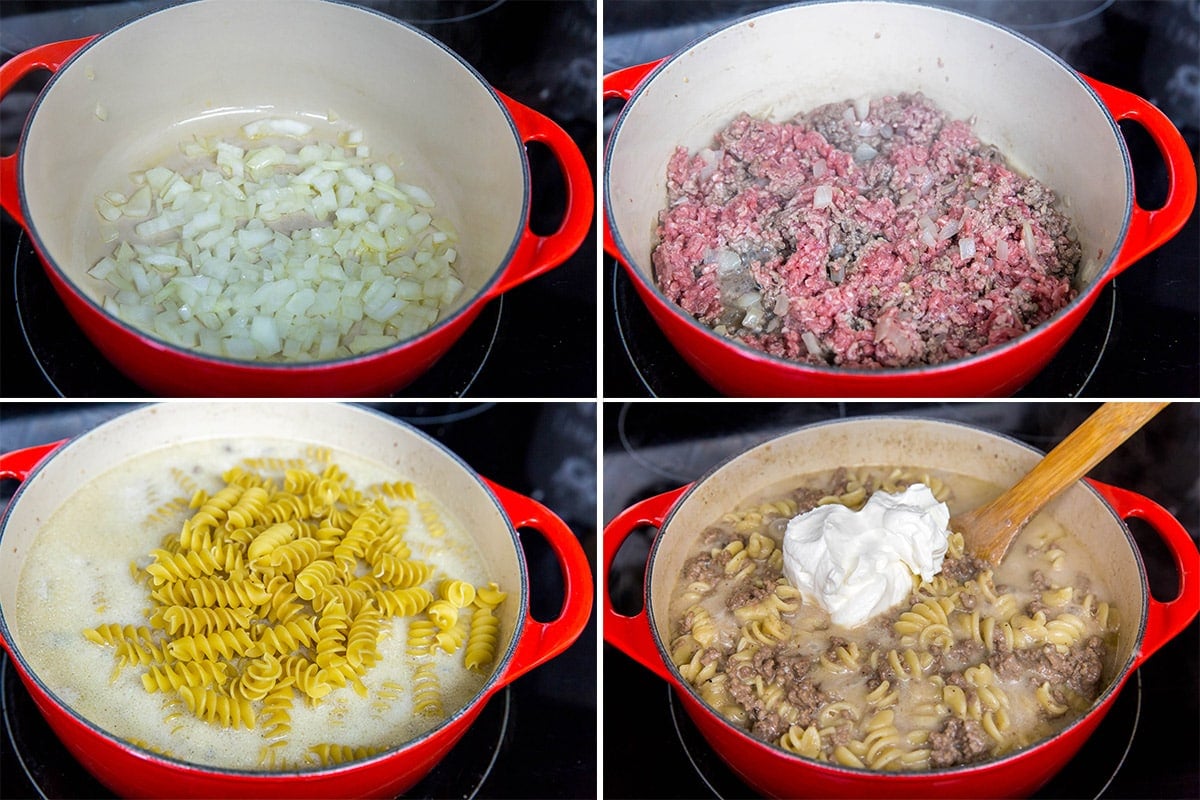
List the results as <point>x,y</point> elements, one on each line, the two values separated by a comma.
<point>20,463</point>
<point>632,635</point>
<point>1148,230</point>
<point>542,641</point>
<point>620,85</point>
<point>1163,620</point>
<point>536,254</point>
<point>49,56</point>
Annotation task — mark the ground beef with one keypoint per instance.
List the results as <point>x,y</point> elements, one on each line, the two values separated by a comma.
<point>790,670</point>
<point>889,241</point>
<point>747,593</point>
<point>706,567</point>
<point>958,742</point>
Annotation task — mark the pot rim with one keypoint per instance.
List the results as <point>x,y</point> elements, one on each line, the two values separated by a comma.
<point>301,367</point>
<point>679,684</point>
<point>1084,298</point>
<point>493,684</point>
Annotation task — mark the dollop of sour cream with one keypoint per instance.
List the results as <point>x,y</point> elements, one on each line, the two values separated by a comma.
<point>857,564</point>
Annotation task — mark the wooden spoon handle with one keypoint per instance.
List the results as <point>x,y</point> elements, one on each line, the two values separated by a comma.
<point>992,527</point>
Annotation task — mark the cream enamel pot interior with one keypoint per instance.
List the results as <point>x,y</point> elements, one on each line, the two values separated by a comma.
<point>1092,511</point>
<point>1052,123</point>
<point>488,513</point>
<point>208,67</point>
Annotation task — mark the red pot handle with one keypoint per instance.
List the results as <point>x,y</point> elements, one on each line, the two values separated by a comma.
<point>535,254</point>
<point>620,85</point>
<point>542,641</point>
<point>20,463</point>
<point>632,635</point>
<point>49,56</point>
<point>1163,620</point>
<point>1150,229</point>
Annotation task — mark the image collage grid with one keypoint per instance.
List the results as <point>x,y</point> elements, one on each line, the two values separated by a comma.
<point>599,398</point>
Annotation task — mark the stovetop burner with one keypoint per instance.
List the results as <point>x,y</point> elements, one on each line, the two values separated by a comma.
<point>53,772</point>
<point>73,367</point>
<point>1143,336</point>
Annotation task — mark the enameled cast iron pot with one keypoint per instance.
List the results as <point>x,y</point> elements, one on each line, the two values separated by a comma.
<point>1094,512</point>
<point>489,513</point>
<point>210,66</point>
<point>1052,123</point>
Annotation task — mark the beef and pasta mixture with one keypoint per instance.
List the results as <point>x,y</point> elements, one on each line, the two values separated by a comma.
<point>975,663</point>
<point>878,234</point>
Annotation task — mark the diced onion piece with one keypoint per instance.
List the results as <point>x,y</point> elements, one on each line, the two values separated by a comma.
<point>864,152</point>
<point>949,229</point>
<point>819,168</point>
<point>823,196</point>
<point>298,251</point>
<point>812,344</point>
<point>1002,251</point>
<point>966,247</point>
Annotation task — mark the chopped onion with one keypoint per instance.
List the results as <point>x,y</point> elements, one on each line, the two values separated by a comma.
<point>862,106</point>
<point>1002,251</point>
<point>1027,238</point>
<point>864,152</point>
<point>823,196</point>
<point>812,344</point>
<point>966,247</point>
<point>819,168</point>
<point>949,229</point>
<point>284,250</point>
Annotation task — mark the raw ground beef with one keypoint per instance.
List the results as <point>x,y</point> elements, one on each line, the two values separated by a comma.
<point>887,240</point>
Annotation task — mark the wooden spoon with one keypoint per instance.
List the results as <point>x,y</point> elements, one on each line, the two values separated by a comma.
<point>989,530</point>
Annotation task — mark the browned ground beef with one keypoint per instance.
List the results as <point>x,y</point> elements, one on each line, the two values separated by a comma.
<point>895,240</point>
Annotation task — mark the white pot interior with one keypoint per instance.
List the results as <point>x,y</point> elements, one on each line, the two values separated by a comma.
<point>217,64</point>
<point>791,60</point>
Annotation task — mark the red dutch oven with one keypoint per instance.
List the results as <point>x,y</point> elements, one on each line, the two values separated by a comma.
<point>489,513</point>
<point>1093,511</point>
<point>1052,123</point>
<point>192,68</point>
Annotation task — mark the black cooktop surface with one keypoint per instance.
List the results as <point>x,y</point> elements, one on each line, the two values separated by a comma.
<point>1143,336</point>
<point>1145,747</point>
<point>537,340</point>
<point>536,737</point>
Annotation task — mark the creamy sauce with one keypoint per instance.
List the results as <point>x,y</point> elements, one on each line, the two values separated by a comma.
<point>920,706</point>
<point>78,576</point>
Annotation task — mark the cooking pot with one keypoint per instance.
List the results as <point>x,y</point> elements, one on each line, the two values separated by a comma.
<point>488,513</point>
<point>1053,124</point>
<point>1093,511</point>
<point>125,99</point>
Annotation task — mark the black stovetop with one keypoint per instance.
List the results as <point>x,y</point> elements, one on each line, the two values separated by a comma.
<point>536,737</point>
<point>1143,336</point>
<point>1145,747</point>
<point>537,340</point>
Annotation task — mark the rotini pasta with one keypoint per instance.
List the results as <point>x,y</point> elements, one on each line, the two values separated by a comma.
<point>951,664</point>
<point>281,584</point>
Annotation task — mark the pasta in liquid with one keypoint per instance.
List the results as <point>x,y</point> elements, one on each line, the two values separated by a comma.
<point>976,663</point>
<point>274,661</point>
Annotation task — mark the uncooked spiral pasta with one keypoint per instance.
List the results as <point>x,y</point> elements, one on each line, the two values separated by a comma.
<point>948,676</point>
<point>280,585</point>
